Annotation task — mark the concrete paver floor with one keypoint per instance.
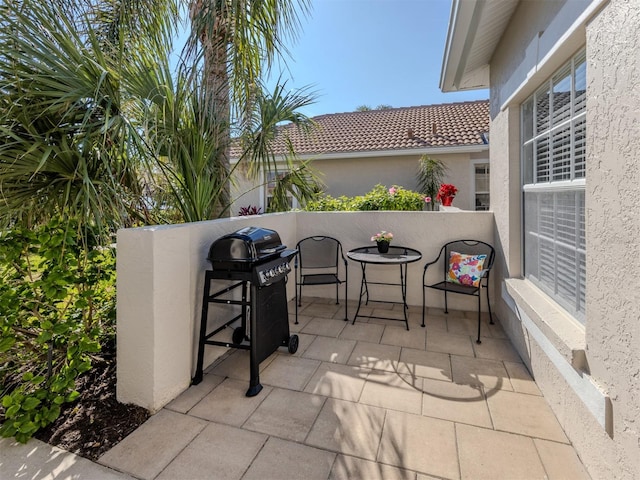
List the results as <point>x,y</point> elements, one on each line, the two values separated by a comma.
<point>365,401</point>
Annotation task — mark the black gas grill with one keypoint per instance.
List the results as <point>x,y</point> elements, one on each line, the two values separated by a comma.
<point>253,260</point>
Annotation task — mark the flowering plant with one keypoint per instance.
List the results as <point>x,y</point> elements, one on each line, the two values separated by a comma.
<point>250,210</point>
<point>383,236</point>
<point>446,190</point>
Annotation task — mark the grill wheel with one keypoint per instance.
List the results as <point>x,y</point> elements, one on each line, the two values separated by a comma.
<point>293,344</point>
<point>238,335</point>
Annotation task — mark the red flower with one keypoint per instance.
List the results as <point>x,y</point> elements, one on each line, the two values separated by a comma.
<point>446,190</point>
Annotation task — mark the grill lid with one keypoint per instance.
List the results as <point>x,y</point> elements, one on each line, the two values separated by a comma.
<point>247,245</point>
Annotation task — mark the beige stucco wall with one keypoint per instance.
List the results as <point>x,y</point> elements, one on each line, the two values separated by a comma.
<point>353,176</point>
<point>594,393</point>
<point>357,176</point>
<point>245,193</point>
<point>161,277</point>
<point>613,212</point>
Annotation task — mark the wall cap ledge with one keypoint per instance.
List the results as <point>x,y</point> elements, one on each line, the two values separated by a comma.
<point>565,333</point>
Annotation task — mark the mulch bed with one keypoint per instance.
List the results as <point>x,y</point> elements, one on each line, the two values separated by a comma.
<point>96,421</point>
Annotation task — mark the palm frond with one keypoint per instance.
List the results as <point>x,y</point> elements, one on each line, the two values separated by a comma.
<point>261,126</point>
<point>68,127</point>
<point>302,182</point>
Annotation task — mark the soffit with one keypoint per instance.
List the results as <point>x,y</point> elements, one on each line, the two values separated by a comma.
<point>475,28</point>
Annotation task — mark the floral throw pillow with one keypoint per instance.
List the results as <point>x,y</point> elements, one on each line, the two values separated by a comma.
<point>465,269</point>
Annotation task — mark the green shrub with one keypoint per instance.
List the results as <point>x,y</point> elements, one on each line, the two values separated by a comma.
<point>379,198</point>
<point>57,300</point>
<point>327,203</point>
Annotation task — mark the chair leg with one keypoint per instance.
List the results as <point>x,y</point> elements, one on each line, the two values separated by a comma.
<point>423,305</point>
<point>489,306</point>
<point>296,302</point>
<point>346,303</point>
<point>337,299</point>
<point>298,298</point>
<point>446,308</point>
<point>479,318</point>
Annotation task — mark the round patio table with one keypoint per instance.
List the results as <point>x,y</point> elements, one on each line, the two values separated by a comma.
<point>397,255</point>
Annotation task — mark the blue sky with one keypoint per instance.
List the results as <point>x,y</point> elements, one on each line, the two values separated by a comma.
<point>372,52</point>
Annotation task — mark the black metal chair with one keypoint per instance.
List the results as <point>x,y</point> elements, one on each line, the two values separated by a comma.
<point>318,263</point>
<point>463,275</point>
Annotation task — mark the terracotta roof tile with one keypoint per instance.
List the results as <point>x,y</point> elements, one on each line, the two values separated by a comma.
<point>451,124</point>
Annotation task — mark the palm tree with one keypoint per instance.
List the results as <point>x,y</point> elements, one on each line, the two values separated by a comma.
<point>431,174</point>
<point>240,39</point>
<point>69,124</point>
<point>72,77</point>
<point>95,125</point>
<point>185,177</point>
<point>261,130</point>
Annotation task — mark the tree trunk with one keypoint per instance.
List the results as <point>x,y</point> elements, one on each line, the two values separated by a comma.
<point>214,37</point>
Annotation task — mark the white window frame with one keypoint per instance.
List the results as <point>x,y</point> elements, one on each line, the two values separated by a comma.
<point>554,246</point>
<point>266,190</point>
<point>474,164</point>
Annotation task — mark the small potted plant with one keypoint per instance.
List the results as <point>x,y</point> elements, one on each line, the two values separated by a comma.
<point>446,194</point>
<point>382,239</point>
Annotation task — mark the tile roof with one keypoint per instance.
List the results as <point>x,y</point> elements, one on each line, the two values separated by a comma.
<point>445,125</point>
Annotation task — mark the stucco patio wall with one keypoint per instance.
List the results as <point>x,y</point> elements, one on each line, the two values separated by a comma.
<point>424,231</point>
<point>161,274</point>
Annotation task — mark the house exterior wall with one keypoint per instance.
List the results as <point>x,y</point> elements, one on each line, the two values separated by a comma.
<point>589,374</point>
<point>245,193</point>
<point>353,176</point>
<point>357,176</point>
<point>613,226</point>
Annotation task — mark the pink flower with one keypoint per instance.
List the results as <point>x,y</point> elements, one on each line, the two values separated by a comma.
<point>383,236</point>
<point>392,191</point>
<point>427,199</point>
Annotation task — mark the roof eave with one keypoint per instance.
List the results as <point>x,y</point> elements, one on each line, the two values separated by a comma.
<point>460,36</point>
<point>471,23</point>
<point>451,150</point>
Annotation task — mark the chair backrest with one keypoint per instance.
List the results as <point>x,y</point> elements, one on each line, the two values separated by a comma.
<point>318,252</point>
<point>468,247</point>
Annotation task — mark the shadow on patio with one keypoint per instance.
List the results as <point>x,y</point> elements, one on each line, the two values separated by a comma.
<point>363,401</point>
